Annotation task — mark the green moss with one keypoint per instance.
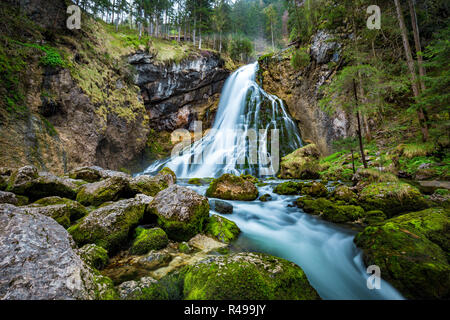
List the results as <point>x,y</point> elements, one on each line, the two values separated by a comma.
<point>197,181</point>
<point>331,211</point>
<point>168,171</point>
<point>248,277</point>
<point>289,188</point>
<point>412,251</point>
<point>222,229</point>
<point>374,217</point>
<point>314,189</point>
<point>392,198</point>
<point>184,247</point>
<point>94,256</point>
<point>106,190</point>
<point>75,210</point>
<point>232,188</point>
<point>148,239</point>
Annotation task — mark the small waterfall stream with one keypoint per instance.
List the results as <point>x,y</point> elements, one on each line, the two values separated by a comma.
<point>325,251</point>
<point>245,137</point>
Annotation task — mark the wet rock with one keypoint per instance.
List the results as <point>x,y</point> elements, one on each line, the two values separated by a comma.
<point>412,252</point>
<point>89,174</point>
<point>96,193</point>
<point>148,239</point>
<point>265,197</point>
<point>303,163</point>
<point>289,188</point>
<point>344,193</point>
<point>180,211</point>
<point>330,211</point>
<point>221,206</point>
<point>148,185</point>
<point>155,259</point>
<point>314,189</point>
<point>205,244</point>
<point>93,255</point>
<point>110,225</point>
<point>231,187</point>
<point>38,261</point>
<point>222,229</point>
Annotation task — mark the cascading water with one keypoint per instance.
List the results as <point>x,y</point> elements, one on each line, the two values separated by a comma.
<point>245,137</point>
<point>325,251</point>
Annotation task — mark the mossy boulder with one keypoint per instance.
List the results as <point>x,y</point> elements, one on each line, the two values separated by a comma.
<point>244,276</point>
<point>344,193</point>
<point>221,206</point>
<point>250,178</point>
<point>148,239</point>
<point>197,181</point>
<point>289,188</point>
<point>303,163</point>
<point>314,189</point>
<point>392,198</point>
<point>89,174</point>
<point>231,187</point>
<point>222,229</point>
<point>180,212</point>
<point>109,226</point>
<point>144,289</point>
<point>412,251</point>
<point>148,185</point>
<point>111,189</point>
<point>374,217</point>
<point>64,211</point>
<point>95,256</point>
<point>28,182</point>
<point>331,211</point>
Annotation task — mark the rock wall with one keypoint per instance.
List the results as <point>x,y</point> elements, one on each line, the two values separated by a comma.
<point>175,93</point>
<point>300,89</point>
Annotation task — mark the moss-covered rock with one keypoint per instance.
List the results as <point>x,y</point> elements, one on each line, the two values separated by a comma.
<point>168,175</point>
<point>95,256</point>
<point>89,174</point>
<point>64,211</point>
<point>222,229</point>
<point>392,198</point>
<point>144,289</point>
<point>314,189</point>
<point>111,189</point>
<point>250,178</point>
<point>344,193</point>
<point>289,188</point>
<point>180,211</point>
<point>184,247</point>
<point>197,181</point>
<point>248,276</point>
<point>412,251</point>
<point>148,185</point>
<point>28,182</point>
<point>231,187</point>
<point>110,225</point>
<point>148,239</point>
<point>331,211</point>
<point>303,163</point>
<point>11,198</point>
<point>374,217</point>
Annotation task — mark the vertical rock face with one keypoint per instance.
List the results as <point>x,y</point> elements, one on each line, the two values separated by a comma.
<point>174,93</point>
<point>38,261</point>
<point>301,91</point>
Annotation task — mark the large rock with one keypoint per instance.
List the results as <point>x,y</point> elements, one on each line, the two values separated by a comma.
<point>180,211</point>
<point>95,256</point>
<point>38,262</point>
<point>303,163</point>
<point>412,251</point>
<point>148,239</point>
<point>150,185</point>
<point>221,206</point>
<point>231,187</point>
<point>11,198</point>
<point>27,181</point>
<point>392,198</point>
<point>248,276</point>
<point>138,290</point>
<point>111,189</point>
<point>222,229</point>
<point>109,226</point>
<point>64,211</point>
<point>334,212</point>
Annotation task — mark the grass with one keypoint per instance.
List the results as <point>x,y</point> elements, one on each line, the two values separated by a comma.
<point>417,149</point>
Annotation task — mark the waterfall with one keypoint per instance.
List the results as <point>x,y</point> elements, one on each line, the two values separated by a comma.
<point>251,132</point>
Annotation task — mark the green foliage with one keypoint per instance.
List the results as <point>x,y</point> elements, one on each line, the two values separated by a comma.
<point>241,48</point>
<point>300,58</point>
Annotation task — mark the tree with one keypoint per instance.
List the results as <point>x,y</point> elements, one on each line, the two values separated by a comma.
<point>412,71</point>
<point>271,15</point>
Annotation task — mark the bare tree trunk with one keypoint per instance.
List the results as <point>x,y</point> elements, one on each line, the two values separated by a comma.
<point>417,44</point>
<point>412,71</point>
<point>271,29</point>
<point>361,145</point>
<point>220,41</point>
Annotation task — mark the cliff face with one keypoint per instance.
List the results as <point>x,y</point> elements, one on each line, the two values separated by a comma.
<point>300,89</point>
<point>177,94</point>
<point>102,102</point>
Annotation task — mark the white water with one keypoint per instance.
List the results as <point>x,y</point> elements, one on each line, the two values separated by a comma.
<point>325,251</point>
<point>244,109</point>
